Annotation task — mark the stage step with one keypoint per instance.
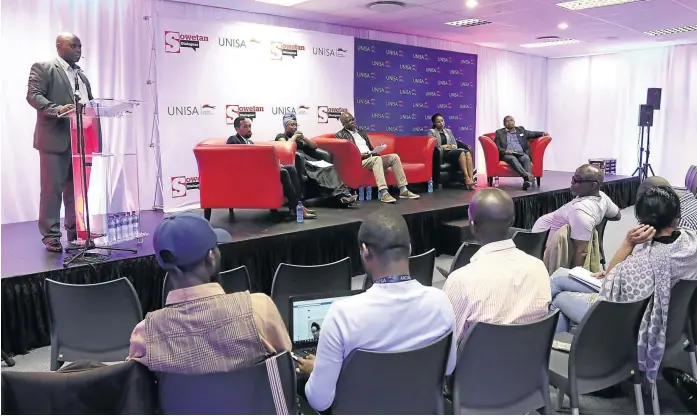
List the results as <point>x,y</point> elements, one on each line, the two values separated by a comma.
<point>453,233</point>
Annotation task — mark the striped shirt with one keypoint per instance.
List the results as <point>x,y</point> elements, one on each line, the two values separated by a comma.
<point>500,285</point>
<point>688,209</point>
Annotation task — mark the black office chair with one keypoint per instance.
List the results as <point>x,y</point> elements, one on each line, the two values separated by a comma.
<point>603,353</point>
<point>692,334</point>
<point>691,179</point>
<point>91,322</point>
<point>420,268</point>
<point>446,173</point>
<point>532,243</point>
<point>462,257</point>
<point>293,280</point>
<point>235,280</point>
<point>242,392</point>
<point>678,324</point>
<point>515,360</point>
<point>406,382</point>
<point>601,237</point>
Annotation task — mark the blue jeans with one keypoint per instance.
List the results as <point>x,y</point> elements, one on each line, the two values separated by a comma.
<point>571,297</point>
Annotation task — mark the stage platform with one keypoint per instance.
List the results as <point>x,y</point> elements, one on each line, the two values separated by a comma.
<point>259,243</point>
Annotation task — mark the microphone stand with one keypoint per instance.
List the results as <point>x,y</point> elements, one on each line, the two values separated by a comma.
<point>83,255</point>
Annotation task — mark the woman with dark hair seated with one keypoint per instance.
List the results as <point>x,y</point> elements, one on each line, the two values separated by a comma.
<point>654,256</point>
<point>451,153</point>
<point>307,152</point>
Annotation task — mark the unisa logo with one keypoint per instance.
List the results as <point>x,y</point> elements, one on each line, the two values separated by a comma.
<point>394,52</point>
<point>175,41</point>
<point>366,48</point>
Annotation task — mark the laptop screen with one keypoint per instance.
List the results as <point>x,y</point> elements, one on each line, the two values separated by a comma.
<point>308,317</point>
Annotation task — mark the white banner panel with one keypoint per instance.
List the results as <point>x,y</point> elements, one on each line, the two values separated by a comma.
<point>208,73</point>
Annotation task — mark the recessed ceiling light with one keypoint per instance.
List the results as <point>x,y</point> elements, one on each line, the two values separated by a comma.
<point>385,6</point>
<point>554,42</point>
<point>468,22</point>
<point>562,26</point>
<point>471,4</point>
<point>672,31</point>
<point>282,2</point>
<point>592,4</point>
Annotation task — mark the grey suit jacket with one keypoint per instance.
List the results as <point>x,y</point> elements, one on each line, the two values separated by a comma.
<point>448,135</point>
<point>48,90</point>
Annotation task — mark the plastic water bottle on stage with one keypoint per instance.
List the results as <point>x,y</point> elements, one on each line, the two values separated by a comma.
<point>368,193</point>
<point>117,227</point>
<point>300,217</point>
<point>496,182</point>
<point>111,228</point>
<point>127,225</point>
<point>430,185</point>
<point>361,193</point>
<point>135,224</point>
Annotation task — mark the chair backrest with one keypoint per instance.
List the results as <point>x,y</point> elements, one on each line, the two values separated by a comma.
<point>235,280</point>
<point>606,340</point>
<point>693,319</point>
<point>464,255</point>
<point>409,382</point>
<point>94,321</point>
<point>420,267</point>
<point>247,391</point>
<point>293,280</point>
<point>690,176</point>
<point>680,297</point>
<point>388,139</point>
<point>515,360</point>
<point>601,236</point>
<point>532,243</point>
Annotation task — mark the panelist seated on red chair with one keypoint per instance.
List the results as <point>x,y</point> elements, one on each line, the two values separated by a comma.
<point>290,180</point>
<point>371,160</point>
<point>512,143</point>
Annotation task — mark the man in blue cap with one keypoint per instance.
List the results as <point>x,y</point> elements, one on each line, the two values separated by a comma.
<point>203,330</point>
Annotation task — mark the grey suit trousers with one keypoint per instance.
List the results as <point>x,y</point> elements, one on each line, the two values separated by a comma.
<point>56,184</point>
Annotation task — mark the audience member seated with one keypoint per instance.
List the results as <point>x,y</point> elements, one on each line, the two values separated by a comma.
<point>654,256</point>
<point>582,214</point>
<point>292,186</point>
<point>501,284</point>
<point>397,313</point>
<point>377,163</point>
<point>327,178</point>
<point>451,153</point>
<point>513,147</point>
<point>688,201</point>
<point>201,329</point>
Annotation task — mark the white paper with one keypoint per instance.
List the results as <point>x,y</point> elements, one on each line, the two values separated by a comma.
<point>320,163</point>
<point>379,148</point>
<point>584,276</point>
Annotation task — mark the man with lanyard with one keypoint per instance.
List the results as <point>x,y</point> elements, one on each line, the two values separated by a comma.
<point>397,313</point>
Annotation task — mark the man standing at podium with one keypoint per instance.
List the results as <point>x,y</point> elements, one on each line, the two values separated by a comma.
<point>52,93</point>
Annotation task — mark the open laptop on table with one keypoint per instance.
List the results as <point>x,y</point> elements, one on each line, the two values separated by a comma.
<point>307,314</point>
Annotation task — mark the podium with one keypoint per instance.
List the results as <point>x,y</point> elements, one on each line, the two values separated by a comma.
<point>110,179</point>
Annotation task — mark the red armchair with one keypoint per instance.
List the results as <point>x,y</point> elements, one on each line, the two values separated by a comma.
<point>416,153</point>
<point>496,167</point>
<point>231,176</point>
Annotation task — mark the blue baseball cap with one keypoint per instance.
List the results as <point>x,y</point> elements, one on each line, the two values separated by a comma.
<point>185,239</point>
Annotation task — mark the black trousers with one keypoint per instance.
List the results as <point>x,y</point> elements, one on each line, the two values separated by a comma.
<point>292,189</point>
<point>56,187</point>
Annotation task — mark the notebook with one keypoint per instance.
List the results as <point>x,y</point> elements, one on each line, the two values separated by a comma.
<point>585,276</point>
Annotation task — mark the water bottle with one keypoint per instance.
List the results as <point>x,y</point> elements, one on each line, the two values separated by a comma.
<point>361,193</point>
<point>117,227</point>
<point>496,182</point>
<point>369,193</point>
<point>430,185</point>
<point>299,212</point>
<point>135,224</point>
<point>111,228</point>
<point>127,225</point>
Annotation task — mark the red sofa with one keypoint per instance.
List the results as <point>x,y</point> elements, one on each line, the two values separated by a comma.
<point>416,153</point>
<point>496,167</point>
<point>241,176</point>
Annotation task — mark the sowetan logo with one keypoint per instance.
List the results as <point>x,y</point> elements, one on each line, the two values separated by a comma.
<point>174,41</point>
<point>232,111</point>
<point>325,112</point>
<point>279,49</point>
<point>181,184</point>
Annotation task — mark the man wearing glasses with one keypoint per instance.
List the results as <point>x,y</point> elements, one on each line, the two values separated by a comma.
<point>582,214</point>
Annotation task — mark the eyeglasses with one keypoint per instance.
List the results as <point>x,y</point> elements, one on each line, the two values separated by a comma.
<point>578,179</point>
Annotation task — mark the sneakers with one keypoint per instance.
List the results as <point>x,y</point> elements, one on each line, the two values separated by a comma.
<point>407,194</point>
<point>387,198</point>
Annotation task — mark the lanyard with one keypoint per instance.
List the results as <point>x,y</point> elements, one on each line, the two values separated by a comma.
<point>393,279</point>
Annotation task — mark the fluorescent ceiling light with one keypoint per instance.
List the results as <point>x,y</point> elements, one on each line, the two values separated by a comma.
<point>468,22</point>
<point>592,4</point>
<point>472,3</point>
<point>672,31</point>
<point>554,42</point>
<point>563,26</point>
<point>282,2</point>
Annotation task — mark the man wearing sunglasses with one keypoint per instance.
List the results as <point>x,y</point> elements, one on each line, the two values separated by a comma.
<point>582,214</point>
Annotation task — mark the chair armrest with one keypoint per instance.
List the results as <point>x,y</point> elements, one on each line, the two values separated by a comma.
<point>491,153</point>
<point>537,153</point>
<point>347,158</point>
<point>415,149</point>
<point>284,150</point>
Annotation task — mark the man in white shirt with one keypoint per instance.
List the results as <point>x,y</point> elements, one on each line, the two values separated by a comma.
<point>501,284</point>
<point>582,214</point>
<point>376,163</point>
<point>397,313</point>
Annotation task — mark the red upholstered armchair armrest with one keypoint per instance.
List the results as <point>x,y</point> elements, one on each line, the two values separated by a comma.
<point>537,153</point>
<point>416,149</point>
<point>284,150</point>
<point>491,153</point>
<point>347,159</point>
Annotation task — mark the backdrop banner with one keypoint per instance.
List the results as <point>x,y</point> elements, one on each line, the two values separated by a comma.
<point>398,88</point>
<point>209,73</point>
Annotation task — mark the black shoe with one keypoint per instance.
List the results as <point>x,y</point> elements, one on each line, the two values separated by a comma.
<point>53,245</point>
<point>526,185</point>
<point>685,386</point>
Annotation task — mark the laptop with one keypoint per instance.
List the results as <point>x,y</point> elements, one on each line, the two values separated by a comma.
<point>306,316</point>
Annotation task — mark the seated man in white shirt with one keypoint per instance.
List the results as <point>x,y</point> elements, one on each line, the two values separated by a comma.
<point>582,214</point>
<point>397,313</point>
<point>501,284</point>
<point>376,163</point>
